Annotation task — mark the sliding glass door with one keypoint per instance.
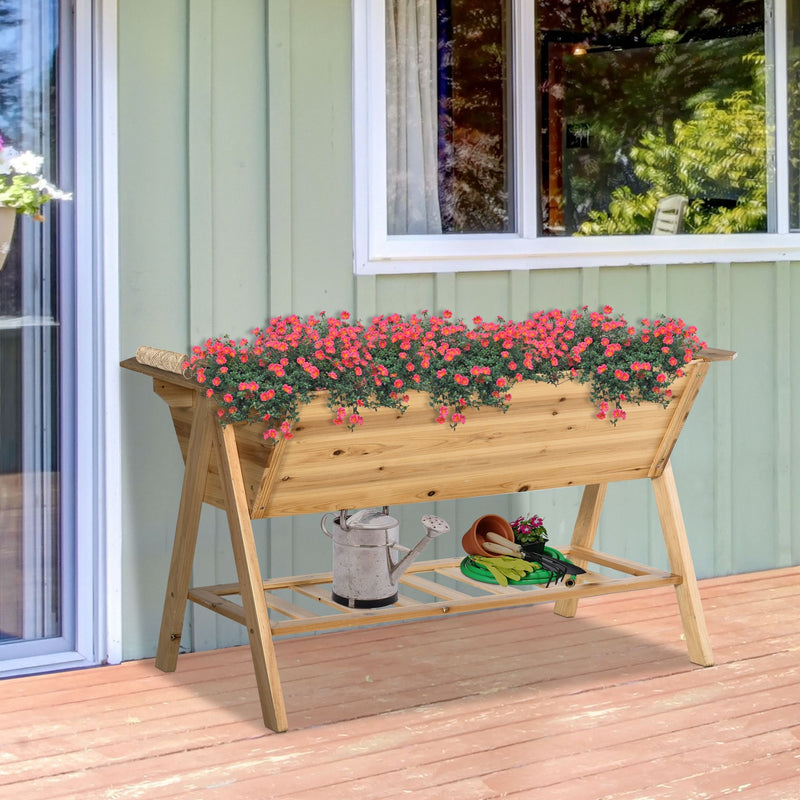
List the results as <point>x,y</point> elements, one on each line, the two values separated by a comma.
<point>36,577</point>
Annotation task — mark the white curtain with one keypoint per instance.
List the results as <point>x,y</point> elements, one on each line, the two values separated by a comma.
<point>411,117</point>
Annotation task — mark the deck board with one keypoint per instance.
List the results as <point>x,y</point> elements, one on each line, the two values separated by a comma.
<point>507,703</point>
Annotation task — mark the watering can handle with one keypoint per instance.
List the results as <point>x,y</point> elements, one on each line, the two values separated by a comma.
<point>342,519</point>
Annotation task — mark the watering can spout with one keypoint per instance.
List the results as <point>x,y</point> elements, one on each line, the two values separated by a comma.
<point>434,526</point>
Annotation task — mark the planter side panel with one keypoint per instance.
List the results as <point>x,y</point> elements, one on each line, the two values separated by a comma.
<point>549,438</point>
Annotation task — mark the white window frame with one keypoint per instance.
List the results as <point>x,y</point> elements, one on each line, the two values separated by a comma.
<point>91,605</point>
<point>376,252</point>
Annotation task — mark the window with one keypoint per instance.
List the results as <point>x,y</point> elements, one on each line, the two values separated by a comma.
<point>523,133</point>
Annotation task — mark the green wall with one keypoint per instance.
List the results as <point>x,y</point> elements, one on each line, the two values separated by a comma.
<point>236,204</point>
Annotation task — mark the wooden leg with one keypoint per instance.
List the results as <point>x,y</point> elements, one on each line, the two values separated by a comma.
<point>680,559</point>
<point>180,570</point>
<point>583,535</point>
<point>250,581</point>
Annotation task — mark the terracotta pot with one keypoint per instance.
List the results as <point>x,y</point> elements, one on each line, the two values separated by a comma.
<point>473,539</point>
<point>8,217</point>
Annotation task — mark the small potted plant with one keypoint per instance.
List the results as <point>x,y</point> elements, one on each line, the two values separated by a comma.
<point>23,190</point>
<point>530,533</point>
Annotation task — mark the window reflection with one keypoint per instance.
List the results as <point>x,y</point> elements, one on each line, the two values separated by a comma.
<point>30,340</point>
<point>448,116</point>
<point>638,103</point>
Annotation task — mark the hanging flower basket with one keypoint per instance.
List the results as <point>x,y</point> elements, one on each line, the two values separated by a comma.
<point>23,190</point>
<point>8,218</point>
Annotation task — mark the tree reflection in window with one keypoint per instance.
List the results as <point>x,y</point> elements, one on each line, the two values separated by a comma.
<point>670,100</point>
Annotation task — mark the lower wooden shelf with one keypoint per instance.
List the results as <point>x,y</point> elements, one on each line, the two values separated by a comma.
<point>427,589</point>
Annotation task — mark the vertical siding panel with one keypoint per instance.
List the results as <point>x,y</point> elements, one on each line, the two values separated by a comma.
<point>201,630</point>
<point>238,135</point>
<point>754,425</point>
<point>555,288</point>
<point>405,293</point>
<point>482,294</point>
<point>280,559</point>
<point>279,142</point>
<point>623,525</point>
<point>657,302</point>
<point>153,295</point>
<point>657,279</point>
<point>201,190</point>
<point>227,160</point>
<point>444,294</point>
<point>691,295</point>
<point>366,294</point>
<point>322,167</point>
<point>590,288</point>
<point>519,292</point>
<point>783,413</point>
<point>722,382</point>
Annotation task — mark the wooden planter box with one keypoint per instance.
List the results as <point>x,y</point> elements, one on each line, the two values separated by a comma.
<point>549,438</point>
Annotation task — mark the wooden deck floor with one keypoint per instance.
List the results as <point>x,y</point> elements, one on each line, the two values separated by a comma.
<point>516,703</point>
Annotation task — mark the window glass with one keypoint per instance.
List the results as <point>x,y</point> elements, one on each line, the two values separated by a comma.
<point>449,117</point>
<point>31,544</point>
<point>636,104</point>
<point>640,102</point>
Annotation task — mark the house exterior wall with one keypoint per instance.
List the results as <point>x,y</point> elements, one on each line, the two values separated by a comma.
<point>236,204</point>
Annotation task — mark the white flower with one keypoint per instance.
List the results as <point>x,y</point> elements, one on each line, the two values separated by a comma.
<point>22,185</point>
<point>44,186</point>
<point>27,163</point>
<point>7,154</point>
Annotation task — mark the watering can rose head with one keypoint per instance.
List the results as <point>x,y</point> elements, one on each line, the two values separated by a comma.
<point>23,187</point>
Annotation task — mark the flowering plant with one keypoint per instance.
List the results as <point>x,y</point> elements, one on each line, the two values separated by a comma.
<point>22,185</point>
<point>529,529</point>
<point>367,366</point>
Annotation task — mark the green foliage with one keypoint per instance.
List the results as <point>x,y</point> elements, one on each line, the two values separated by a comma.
<point>794,140</point>
<point>646,66</point>
<point>720,152</point>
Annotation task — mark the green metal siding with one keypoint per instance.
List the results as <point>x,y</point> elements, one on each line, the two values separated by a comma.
<point>236,204</point>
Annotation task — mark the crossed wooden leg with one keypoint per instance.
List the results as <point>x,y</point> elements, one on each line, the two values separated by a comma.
<point>583,535</point>
<point>680,558</point>
<point>680,562</point>
<point>207,435</point>
<point>180,570</point>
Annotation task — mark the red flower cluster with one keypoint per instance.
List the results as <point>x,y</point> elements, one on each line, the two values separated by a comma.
<point>460,366</point>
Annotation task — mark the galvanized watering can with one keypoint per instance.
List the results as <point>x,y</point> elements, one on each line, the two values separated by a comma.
<point>365,571</point>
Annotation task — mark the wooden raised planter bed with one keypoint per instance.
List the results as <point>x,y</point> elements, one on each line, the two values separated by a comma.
<point>548,438</point>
